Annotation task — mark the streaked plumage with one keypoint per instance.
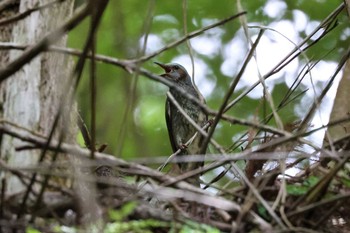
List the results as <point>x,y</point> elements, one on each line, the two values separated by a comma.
<point>179,129</point>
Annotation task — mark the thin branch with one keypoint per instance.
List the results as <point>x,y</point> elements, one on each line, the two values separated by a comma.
<point>22,15</point>
<point>223,108</point>
<point>303,209</point>
<point>6,3</point>
<point>316,103</point>
<point>93,88</point>
<point>283,62</point>
<point>43,44</point>
<point>187,37</point>
<point>199,129</point>
<point>96,13</point>
<point>134,79</point>
<point>84,131</point>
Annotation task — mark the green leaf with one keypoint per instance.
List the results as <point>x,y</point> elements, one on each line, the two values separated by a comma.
<point>263,212</point>
<point>311,181</point>
<point>297,189</point>
<point>80,140</point>
<point>32,230</point>
<point>345,182</point>
<point>124,211</point>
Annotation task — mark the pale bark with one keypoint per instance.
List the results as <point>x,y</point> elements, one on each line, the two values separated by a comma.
<point>341,107</point>
<point>32,94</point>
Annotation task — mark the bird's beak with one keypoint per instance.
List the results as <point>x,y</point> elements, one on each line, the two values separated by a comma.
<point>166,68</point>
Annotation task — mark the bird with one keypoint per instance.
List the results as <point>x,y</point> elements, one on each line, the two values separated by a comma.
<point>180,130</point>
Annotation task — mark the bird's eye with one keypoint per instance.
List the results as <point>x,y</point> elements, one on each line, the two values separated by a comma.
<point>176,67</point>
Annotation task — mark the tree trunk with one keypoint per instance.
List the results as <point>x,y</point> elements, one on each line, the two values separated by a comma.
<point>30,98</point>
<point>341,107</point>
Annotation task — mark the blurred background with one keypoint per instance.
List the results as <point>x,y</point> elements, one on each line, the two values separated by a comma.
<point>130,108</point>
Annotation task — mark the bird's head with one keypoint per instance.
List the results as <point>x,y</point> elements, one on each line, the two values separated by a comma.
<point>175,72</point>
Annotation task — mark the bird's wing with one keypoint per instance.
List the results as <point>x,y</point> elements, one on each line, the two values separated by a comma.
<point>169,125</point>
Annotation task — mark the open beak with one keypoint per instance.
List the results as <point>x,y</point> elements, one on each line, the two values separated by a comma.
<point>166,68</point>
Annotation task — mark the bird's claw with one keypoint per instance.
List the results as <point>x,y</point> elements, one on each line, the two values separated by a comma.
<point>210,122</point>
<point>183,147</point>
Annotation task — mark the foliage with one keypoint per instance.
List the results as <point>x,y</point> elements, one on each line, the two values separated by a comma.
<point>121,33</point>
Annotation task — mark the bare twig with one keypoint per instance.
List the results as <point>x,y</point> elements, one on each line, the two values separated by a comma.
<point>22,15</point>
<point>188,36</point>
<point>292,55</point>
<point>6,3</point>
<point>223,108</point>
<point>43,44</point>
